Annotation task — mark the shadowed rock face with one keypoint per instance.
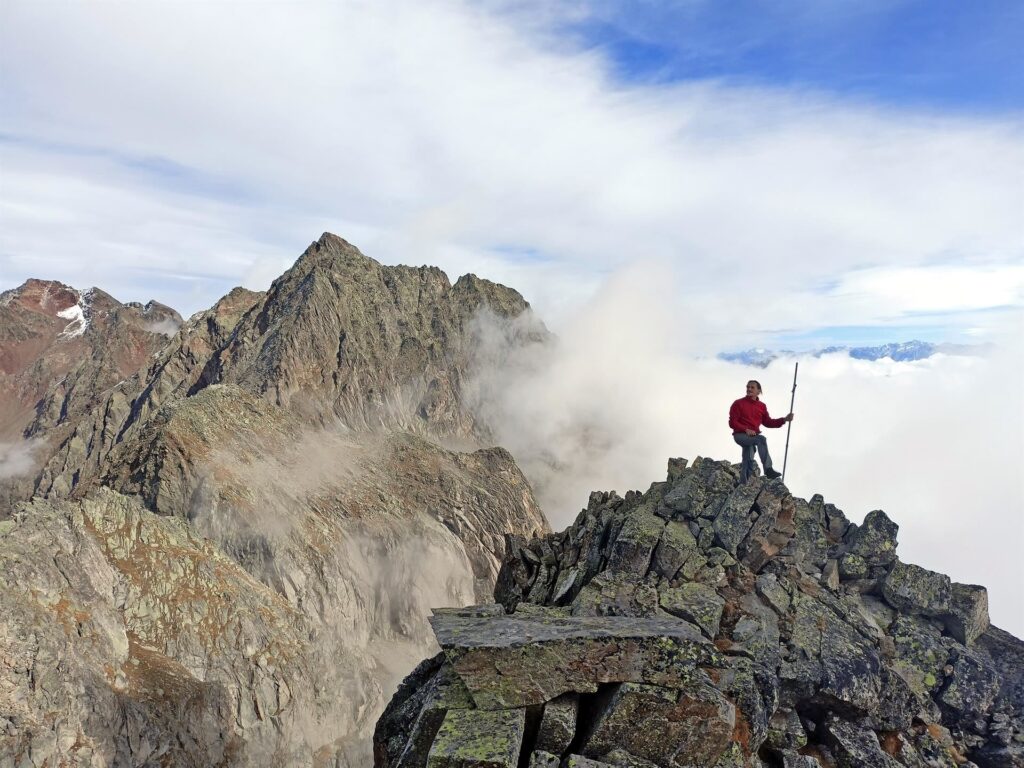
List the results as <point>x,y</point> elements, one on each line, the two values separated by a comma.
<point>232,552</point>
<point>790,659</point>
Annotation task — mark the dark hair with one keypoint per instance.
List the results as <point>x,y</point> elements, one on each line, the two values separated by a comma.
<point>755,381</point>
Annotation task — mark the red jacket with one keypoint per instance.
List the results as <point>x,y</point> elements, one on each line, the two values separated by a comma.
<point>751,414</point>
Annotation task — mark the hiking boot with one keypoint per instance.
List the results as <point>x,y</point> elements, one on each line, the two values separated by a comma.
<point>771,474</point>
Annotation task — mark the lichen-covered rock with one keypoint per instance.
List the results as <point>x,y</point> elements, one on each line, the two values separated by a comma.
<point>696,603</point>
<point>856,746</point>
<point>417,709</point>
<point>577,761</point>
<point>967,617</point>
<point>558,724</point>
<point>473,738</point>
<point>971,689</point>
<point>827,655</point>
<point>677,551</point>
<point>870,668</point>
<point>541,759</point>
<point>772,530</point>
<point>517,661</point>
<point>912,589</point>
<point>853,567</point>
<point>874,540</point>
<point>809,545</point>
<point>617,594</point>
<point>733,522</point>
<point>667,726</point>
<point>634,547</point>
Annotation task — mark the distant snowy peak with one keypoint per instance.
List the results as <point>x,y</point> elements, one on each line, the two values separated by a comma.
<point>898,352</point>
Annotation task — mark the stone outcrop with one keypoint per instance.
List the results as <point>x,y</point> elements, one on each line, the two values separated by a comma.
<point>705,623</point>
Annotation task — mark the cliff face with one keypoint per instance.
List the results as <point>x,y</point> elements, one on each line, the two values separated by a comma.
<point>230,554</point>
<point>704,623</point>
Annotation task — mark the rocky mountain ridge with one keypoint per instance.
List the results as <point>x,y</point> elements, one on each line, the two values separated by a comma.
<point>229,555</point>
<point>60,350</point>
<point>708,623</point>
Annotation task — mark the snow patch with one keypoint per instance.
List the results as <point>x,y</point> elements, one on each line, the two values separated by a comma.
<point>78,323</point>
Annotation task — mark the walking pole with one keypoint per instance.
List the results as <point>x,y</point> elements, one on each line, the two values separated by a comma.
<point>789,426</point>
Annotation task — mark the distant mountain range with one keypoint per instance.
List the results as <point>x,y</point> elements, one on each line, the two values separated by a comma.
<point>900,352</point>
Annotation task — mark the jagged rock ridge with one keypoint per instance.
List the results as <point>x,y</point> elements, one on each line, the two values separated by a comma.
<point>231,552</point>
<point>705,623</point>
<point>339,338</point>
<point>61,351</point>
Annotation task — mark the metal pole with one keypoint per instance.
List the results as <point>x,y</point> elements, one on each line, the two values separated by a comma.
<point>789,425</point>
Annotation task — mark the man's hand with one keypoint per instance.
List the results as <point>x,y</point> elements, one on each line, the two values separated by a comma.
<point>789,417</point>
<point>751,432</point>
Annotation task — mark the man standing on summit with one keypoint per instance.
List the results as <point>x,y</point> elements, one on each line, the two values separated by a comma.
<point>745,419</point>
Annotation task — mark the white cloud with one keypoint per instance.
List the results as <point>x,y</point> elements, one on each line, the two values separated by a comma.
<point>17,459</point>
<point>936,289</point>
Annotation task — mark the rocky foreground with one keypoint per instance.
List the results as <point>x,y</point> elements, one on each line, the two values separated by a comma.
<point>704,623</point>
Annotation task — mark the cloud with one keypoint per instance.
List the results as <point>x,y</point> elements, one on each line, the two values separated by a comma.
<point>448,133</point>
<point>17,459</point>
<point>167,327</point>
<point>934,442</point>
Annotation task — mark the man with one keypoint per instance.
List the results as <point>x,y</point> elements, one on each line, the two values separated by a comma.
<point>746,416</point>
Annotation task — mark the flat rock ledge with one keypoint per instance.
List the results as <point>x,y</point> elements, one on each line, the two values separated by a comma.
<point>513,661</point>
<point>709,624</point>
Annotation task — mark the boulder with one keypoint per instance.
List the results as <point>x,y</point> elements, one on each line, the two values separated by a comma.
<point>473,738</point>
<point>971,689</point>
<point>874,540</point>
<point>856,745</point>
<point>675,549</point>
<point>513,661</point>
<point>558,723</point>
<point>968,613</point>
<point>633,548</point>
<point>542,759</point>
<point>668,727</point>
<point>696,603</point>
<point>913,589</point>
<point>735,518</point>
<point>772,530</point>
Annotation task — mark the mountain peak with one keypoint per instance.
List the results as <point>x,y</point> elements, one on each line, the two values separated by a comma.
<point>371,344</point>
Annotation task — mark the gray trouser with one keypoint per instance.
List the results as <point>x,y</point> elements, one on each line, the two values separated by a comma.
<point>751,443</point>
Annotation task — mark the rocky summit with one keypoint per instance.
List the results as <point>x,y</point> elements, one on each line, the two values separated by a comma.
<point>707,623</point>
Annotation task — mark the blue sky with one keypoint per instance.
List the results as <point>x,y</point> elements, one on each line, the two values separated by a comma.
<point>956,56</point>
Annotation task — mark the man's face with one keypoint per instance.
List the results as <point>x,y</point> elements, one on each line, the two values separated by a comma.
<point>752,390</point>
